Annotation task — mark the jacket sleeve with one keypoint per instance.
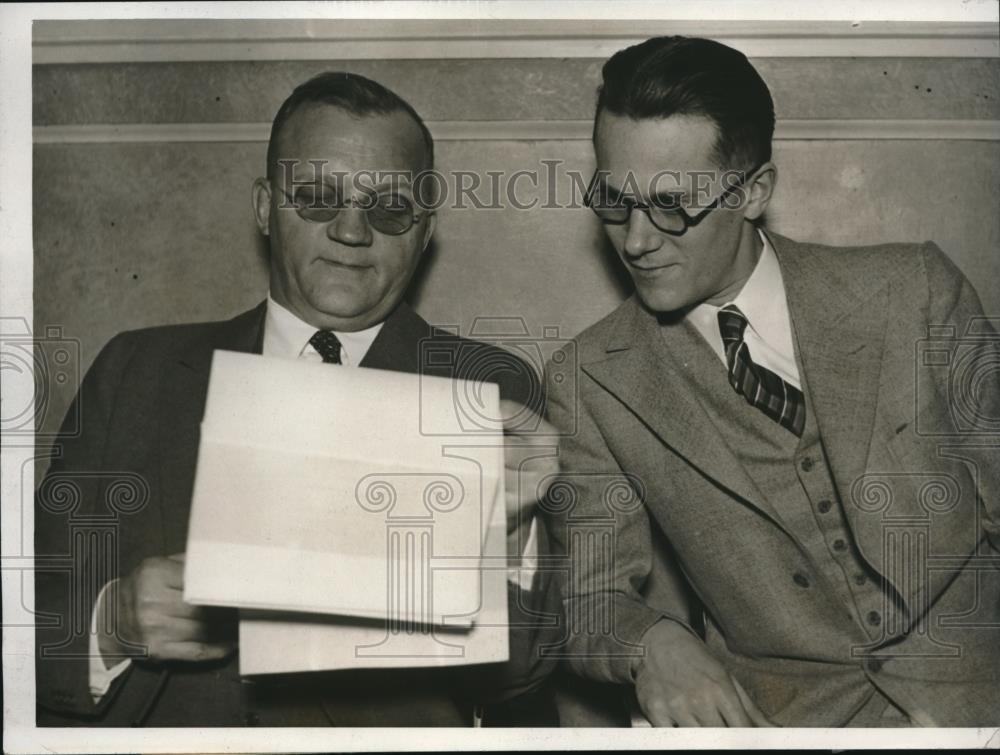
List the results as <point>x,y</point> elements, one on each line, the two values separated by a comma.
<point>602,536</point>
<point>71,509</point>
<point>533,620</point>
<point>971,384</point>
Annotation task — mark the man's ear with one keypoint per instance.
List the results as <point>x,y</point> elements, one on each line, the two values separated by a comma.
<point>262,204</point>
<point>428,230</point>
<point>761,191</point>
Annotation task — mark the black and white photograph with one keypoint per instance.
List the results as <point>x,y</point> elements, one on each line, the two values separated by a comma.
<point>500,375</point>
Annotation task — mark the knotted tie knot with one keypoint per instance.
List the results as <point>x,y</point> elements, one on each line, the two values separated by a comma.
<point>327,346</point>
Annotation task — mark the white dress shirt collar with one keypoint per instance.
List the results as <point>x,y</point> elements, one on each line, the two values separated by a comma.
<point>287,337</point>
<point>762,300</point>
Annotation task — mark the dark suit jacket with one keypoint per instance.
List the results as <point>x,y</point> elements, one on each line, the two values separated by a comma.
<point>913,451</point>
<point>141,405</point>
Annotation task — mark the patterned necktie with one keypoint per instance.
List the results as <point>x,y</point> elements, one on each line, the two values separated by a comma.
<point>328,346</point>
<point>762,388</point>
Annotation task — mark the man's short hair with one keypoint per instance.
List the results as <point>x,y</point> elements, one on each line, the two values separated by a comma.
<point>666,76</point>
<point>351,92</point>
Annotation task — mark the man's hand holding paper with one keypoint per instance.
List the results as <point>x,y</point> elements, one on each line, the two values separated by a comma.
<point>151,612</point>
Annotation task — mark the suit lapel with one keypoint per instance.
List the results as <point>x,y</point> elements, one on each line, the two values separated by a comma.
<point>839,326</point>
<point>184,389</point>
<point>644,369</point>
<point>397,345</point>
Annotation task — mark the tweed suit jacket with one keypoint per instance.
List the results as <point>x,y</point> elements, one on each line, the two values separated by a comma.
<point>140,409</point>
<point>696,542</point>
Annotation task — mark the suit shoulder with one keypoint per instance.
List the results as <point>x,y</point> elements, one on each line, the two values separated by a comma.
<point>165,341</point>
<point>163,335</point>
<point>888,257</point>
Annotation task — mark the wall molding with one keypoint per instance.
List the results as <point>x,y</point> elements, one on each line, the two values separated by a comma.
<point>162,41</point>
<point>447,131</point>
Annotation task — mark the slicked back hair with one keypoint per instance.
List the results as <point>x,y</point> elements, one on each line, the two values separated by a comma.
<point>666,76</point>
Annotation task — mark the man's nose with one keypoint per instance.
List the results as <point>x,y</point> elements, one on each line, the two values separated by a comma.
<point>350,227</point>
<point>641,235</point>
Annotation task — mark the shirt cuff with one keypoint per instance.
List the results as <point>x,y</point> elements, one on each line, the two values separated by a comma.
<point>523,574</point>
<point>101,677</point>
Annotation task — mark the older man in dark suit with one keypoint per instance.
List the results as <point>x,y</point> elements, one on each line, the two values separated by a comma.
<point>781,497</point>
<point>344,244</point>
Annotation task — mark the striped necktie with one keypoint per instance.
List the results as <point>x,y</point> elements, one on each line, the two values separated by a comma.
<point>762,388</point>
<point>328,346</point>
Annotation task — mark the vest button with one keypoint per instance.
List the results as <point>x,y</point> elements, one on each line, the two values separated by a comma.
<point>874,618</point>
<point>824,506</point>
<point>800,579</point>
<point>874,664</point>
<point>839,545</point>
<point>806,464</point>
<point>860,579</point>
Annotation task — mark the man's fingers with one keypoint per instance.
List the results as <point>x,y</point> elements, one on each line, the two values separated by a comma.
<point>172,571</point>
<point>733,711</point>
<point>725,708</point>
<point>664,713</point>
<point>195,652</point>
<point>170,602</point>
<point>709,715</point>
<point>756,716</point>
<point>684,717</point>
<point>658,713</point>
<point>183,629</point>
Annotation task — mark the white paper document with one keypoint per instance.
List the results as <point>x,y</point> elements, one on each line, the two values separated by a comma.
<point>318,490</point>
<point>272,643</point>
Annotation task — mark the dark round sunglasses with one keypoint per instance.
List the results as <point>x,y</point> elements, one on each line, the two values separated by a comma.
<point>389,213</point>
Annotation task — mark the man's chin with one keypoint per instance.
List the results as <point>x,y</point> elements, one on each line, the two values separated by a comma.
<point>660,302</point>
<point>348,316</point>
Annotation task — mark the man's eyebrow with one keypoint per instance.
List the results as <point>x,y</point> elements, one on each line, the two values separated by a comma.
<point>669,196</point>
<point>394,182</point>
